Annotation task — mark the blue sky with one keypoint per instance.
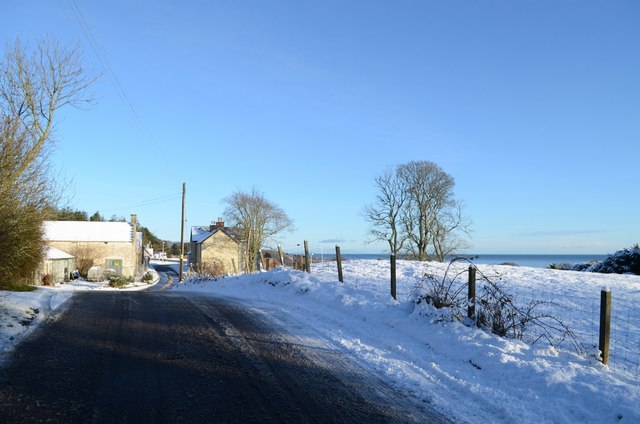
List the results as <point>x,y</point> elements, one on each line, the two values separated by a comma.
<point>532,106</point>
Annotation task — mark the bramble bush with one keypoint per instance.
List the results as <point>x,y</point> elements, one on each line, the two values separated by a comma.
<point>496,309</point>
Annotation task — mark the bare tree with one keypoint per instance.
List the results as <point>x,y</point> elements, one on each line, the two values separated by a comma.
<point>33,86</point>
<point>85,256</point>
<point>415,210</point>
<point>384,214</point>
<point>432,218</point>
<point>449,229</point>
<point>256,219</point>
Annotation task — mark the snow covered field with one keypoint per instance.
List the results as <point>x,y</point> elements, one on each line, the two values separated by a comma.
<point>468,374</point>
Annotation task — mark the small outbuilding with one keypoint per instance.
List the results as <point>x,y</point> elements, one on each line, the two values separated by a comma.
<point>58,265</point>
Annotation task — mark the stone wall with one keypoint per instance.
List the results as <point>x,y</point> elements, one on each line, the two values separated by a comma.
<point>223,250</point>
<point>100,251</point>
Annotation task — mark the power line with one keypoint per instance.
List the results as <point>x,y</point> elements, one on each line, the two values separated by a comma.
<point>148,202</point>
<point>122,93</point>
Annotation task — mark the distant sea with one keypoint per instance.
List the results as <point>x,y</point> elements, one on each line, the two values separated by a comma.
<point>534,261</point>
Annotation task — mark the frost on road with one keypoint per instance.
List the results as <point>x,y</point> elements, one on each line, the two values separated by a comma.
<point>167,357</point>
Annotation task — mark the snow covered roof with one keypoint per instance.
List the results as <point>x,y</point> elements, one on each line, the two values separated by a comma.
<point>200,234</point>
<point>87,231</point>
<point>53,253</point>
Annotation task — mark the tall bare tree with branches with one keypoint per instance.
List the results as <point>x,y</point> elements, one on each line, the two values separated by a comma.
<point>384,214</point>
<point>256,219</point>
<point>415,209</point>
<point>433,218</point>
<point>34,84</point>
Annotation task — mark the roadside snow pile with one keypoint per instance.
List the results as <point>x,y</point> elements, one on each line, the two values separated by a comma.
<point>22,312</point>
<point>469,374</point>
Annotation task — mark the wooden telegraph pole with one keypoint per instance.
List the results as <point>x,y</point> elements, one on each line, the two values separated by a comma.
<point>184,191</point>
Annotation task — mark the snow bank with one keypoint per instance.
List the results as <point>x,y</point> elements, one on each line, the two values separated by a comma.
<point>469,374</point>
<point>22,312</point>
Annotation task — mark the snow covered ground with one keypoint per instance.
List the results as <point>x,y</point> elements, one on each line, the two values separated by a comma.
<point>469,374</point>
<point>22,312</point>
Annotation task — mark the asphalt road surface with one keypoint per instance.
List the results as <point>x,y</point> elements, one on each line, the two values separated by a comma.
<point>158,356</point>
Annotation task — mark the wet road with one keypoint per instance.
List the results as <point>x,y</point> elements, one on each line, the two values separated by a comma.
<point>158,356</point>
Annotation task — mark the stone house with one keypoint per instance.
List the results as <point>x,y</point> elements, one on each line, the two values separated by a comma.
<point>115,245</point>
<point>215,249</point>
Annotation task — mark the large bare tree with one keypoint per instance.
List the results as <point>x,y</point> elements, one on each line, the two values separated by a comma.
<point>34,84</point>
<point>384,214</point>
<point>415,210</point>
<point>433,219</point>
<point>256,219</point>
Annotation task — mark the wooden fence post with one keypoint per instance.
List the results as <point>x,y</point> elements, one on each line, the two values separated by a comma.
<point>299,265</point>
<point>281,255</point>
<point>471,298</point>
<point>339,261</point>
<point>259,260</point>
<point>307,262</point>
<point>605,324</point>
<point>393,276</point>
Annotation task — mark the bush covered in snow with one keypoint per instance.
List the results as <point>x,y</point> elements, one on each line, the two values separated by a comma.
<point>119,281</point>
<point>625,261</point>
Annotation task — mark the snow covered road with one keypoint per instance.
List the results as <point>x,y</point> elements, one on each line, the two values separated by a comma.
<point>187,357</point>
<point>422,358</point>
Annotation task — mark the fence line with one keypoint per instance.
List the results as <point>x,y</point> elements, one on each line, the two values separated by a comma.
<point>580,313</point>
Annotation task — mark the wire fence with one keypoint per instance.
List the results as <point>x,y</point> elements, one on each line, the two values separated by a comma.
<point>581,315</point>
<point>575,314</point>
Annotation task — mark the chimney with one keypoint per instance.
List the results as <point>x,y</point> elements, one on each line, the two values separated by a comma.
<point>134,225</point>
<point>216,225</point>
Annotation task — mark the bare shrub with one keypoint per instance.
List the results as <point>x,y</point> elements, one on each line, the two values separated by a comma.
<point>211,270</point>
<point>47,280</point>
<point>496,310</point>
<point>85,257</point>
<point>445,292</point>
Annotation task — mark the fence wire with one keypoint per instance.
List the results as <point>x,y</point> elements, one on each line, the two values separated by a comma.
<point>579,312</point>
<point>581,315</point>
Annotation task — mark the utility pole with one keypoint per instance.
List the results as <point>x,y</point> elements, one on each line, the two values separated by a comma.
<point>184,191</point>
